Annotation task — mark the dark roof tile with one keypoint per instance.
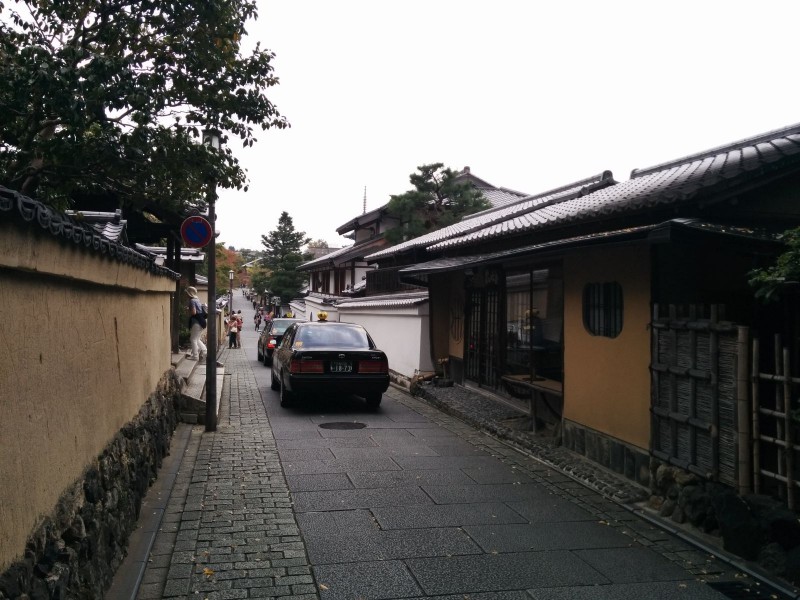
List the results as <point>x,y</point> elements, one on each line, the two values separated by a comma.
<point>675,182</point>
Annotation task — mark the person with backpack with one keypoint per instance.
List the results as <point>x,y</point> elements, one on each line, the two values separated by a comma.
<point>197,322</point>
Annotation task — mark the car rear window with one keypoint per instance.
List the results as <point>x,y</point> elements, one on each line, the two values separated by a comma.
<point>331,337</point>
<point>279,327</point>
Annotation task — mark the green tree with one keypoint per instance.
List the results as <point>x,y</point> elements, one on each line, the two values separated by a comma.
<point>770,281</point>
<point>282,256</point>
<point>259,279</point>
<point>108,99</point>
<point>438,199</point>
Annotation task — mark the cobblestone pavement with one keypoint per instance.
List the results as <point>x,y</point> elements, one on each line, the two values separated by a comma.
<point>229,530</point>
<point>418,504</point>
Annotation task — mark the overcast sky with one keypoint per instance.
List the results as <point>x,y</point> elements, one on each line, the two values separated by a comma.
<point>529,94</point>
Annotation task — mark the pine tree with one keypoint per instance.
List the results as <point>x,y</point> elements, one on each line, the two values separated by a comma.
<point>282,256</point>
<point>438,199</point>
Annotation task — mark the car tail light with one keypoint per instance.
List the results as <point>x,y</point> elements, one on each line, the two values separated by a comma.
<point>271,343</point>
<point>306,366</point>
<point>373,366</point>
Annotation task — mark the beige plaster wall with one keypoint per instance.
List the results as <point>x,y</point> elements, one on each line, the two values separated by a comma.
<point>607,381</point>
<point>84,340</point>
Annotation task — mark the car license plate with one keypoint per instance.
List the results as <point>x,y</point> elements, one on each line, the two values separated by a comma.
<point>341,367</point>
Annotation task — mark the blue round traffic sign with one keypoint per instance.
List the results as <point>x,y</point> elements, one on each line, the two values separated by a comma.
<point>196,232</point>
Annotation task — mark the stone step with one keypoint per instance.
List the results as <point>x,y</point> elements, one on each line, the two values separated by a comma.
<point>184,368</point>
<point>193,403</point>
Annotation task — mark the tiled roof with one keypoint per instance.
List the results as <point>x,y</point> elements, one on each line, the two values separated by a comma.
<point>187,254</point>
<point>110,225</point>
<point>499,197</point>
<point>393,300</point>
<point>367,217</point>
<point>344,255</point>
<point>14,205</point>
<point>639,232</point>
<point>322,260</point>
<point>673,183</point>
<point>479,221</point>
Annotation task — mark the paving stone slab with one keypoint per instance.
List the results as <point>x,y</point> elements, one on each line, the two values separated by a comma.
<point>444,515</point>
<point>447,462</point>
<point>688,590</point>
<point>307,454</point>
<point>379,580</point>
<point>322,481</point>
<point>388,545</point>
<point>390,451</point>
<point>629,565</point>
<point>389,479</point>
<point>291,434</point>
<point>500,474</point>
<point>435,432</point>
<point>553,509</point>
<point>358,498</point>
<point>546,536</point>
<point>455,448</point>
<point>519,595</point>
<point>320,442</point>
<point>310,467</point>
<point>336,522</point>
<point>505,492</point>
<point>502,572</point>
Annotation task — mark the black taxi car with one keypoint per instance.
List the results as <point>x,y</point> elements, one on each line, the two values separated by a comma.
<point>271,337</point>
<point>329,357</point>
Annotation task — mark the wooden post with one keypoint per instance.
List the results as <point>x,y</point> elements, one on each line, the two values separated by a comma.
<point>673,382</point>
<point>756,407</point>
<point>743,412</point>
<point>779,401</point>
<point>787,416</point>
<point>714,364</point>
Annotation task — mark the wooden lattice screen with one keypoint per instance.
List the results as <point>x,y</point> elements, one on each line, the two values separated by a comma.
<point>776,423</point>
<point>694,390</point>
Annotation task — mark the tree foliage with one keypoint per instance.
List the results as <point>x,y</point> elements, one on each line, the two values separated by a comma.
<point>259,279</point>
<point>282,256</point>
<point>770,281</point>
<point>107,98</point>
<point>438,199</point>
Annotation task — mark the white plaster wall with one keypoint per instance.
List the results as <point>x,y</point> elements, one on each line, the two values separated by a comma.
<point>315,305</point>
<point>402,333</point>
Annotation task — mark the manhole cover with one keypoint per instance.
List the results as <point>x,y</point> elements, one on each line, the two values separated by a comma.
<point>343,425</point>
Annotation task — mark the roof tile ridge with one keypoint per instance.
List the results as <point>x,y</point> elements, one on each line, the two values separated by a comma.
<point>725,148</point>
<point>511,191</point>
<point>581,183</point>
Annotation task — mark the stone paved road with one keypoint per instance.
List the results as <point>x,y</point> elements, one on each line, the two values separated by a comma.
<point>414,505</point>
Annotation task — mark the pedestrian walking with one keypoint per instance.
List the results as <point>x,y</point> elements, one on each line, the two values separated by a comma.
<point>197,322</point>
<point>233,330</point>
<point>239,325</point>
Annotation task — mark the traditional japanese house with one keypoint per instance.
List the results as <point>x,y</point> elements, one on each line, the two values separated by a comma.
<point>622,309</point>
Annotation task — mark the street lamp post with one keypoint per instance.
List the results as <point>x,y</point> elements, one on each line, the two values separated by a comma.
<point>213,140</point>
<point>230,279</point>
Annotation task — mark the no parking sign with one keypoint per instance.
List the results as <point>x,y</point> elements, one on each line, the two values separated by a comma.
<point>196,232</point>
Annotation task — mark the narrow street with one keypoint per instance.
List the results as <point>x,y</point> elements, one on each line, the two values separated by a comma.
<point>333,500</point>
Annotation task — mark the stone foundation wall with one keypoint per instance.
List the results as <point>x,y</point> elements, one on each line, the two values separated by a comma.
<point>755,527</point>
<point>76,549</point>
<point>631,462</point>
